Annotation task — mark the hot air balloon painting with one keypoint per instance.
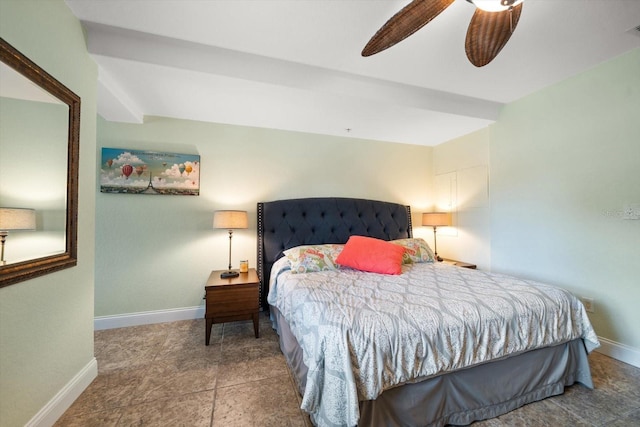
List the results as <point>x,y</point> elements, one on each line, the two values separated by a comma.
<point>149,172</point>
<point>126,171</point>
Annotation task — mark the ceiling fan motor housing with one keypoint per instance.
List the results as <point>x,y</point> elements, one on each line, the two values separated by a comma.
<point>495,5</point>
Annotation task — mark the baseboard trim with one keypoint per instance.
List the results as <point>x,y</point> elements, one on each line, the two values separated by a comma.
<point>618,351</point>
<point>49,413</point>
<point>147,317</point>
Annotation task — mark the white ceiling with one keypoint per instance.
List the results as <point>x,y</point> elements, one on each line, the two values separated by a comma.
<point>296,64</point>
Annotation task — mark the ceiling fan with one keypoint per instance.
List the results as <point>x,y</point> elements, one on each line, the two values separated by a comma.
<point>489,30</point>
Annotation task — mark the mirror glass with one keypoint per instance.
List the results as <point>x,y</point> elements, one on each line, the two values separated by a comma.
<point>33,160</point>
<point>39,136</point>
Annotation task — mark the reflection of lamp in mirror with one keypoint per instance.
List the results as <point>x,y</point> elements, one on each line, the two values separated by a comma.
<point>14,219</point>
<point>230,220</point>
<point>435,220</point>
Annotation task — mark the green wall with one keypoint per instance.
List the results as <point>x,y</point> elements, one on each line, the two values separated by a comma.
<point>46,324</point>
<point>156,252</point>
<point>564,162</point>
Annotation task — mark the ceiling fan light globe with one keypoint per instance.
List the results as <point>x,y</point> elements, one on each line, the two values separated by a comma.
<point>495,5</point>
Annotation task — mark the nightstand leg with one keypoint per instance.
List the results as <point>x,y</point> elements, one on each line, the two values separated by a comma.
<point>208,330</point>
<point>256,324</point>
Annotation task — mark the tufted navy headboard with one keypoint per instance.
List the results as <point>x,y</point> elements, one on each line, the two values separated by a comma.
<point>284,224</point>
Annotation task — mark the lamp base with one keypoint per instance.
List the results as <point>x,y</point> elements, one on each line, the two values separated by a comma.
<point>229,274</point>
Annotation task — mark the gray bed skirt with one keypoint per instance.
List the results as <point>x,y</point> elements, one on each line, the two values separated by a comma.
<point>462,397</point>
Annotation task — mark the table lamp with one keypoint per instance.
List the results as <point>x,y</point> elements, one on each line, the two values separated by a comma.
<point>435,220</point>
<point>230,220</point>
<point>14,219</point>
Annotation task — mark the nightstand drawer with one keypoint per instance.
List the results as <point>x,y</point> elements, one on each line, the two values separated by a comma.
<point>236,299</point>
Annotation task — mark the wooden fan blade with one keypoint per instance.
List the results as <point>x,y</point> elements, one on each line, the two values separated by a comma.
<point>410,19</point>
<point>489,32</point>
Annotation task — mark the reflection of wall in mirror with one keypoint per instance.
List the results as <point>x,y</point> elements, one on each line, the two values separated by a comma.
<point>33,167</point>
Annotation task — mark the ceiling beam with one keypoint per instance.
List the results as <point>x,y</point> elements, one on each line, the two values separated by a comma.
<point>143,47</point>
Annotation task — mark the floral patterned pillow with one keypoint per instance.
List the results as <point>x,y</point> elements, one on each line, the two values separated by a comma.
<point>312,258</point>
<point>415,250</point>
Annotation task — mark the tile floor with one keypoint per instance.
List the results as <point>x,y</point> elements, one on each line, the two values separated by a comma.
<point>164,375</point>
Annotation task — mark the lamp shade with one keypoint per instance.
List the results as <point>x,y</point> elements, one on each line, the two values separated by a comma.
<point>17,219</point>
<point>230,219</point>
<point>436,219</point>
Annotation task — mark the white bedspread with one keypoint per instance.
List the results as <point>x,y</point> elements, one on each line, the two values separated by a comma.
<point>362,333</point>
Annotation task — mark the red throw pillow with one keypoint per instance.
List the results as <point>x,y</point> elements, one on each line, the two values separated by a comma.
<point>373,255</point>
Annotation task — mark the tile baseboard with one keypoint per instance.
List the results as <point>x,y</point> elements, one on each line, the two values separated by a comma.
<point>49,413</point>
<point>147,317</point>
<point>618,351</point>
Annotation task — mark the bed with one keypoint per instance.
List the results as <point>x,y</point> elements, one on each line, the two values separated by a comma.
<point>372,349</point>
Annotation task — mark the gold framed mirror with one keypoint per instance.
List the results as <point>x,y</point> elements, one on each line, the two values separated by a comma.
<point>49,200</point>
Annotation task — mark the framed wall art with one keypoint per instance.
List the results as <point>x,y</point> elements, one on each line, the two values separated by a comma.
<point>149,172</point>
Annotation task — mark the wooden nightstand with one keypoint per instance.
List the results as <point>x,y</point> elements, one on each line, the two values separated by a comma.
<point>459,263</point>
<point>232,299</point>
